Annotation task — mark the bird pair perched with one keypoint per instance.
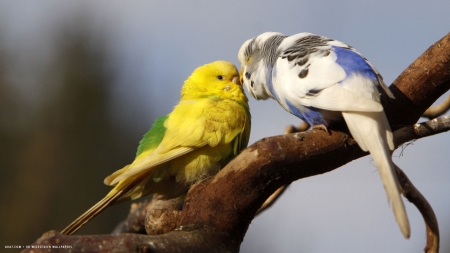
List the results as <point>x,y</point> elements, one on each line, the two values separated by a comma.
<point>315,78</point>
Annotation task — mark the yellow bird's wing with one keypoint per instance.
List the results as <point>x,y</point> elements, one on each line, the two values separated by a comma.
<point>191,125</point>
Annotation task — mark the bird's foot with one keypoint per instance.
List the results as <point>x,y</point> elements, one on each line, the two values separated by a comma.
<point>321,127</point>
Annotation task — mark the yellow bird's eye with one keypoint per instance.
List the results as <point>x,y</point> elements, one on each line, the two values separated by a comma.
<point>220,77</point>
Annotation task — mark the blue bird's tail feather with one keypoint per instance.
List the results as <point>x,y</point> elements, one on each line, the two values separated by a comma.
<point>372,133</point>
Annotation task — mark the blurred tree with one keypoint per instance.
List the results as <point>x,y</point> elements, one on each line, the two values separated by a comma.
<point>11,139</point>
<point>69,144</point>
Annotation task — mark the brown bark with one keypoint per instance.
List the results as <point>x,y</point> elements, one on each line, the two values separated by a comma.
<point>135,221</point>
<point>163,215</point>
<point>218,210</point>
<point>420,85</point>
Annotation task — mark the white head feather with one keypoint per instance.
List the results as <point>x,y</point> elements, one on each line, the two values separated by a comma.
<point>254,65</point>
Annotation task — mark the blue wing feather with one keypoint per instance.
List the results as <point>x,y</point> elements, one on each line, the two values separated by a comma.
<point>354,63</point>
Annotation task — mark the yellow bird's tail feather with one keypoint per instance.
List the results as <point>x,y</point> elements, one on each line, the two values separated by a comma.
<point>89,214</point>
<point>111,198</point>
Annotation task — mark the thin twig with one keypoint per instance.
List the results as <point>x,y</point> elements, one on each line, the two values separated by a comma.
<point>437,110</point>
<point>415,197</point>
<point>271,200</point>
<point>420,130</point>
<point>300,128</point>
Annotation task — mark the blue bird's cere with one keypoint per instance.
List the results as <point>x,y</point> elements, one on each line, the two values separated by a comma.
<point>321,80</point>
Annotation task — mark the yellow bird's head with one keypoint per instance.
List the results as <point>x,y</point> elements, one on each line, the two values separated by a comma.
<point>216,80</point>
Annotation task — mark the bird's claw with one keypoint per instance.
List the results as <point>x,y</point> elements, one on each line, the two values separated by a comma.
<point>321,127</point>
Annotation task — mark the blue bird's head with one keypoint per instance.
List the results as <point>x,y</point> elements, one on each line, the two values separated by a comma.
<point>257,59</point>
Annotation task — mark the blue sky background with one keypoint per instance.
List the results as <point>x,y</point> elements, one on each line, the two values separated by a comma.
<point>157,44</point>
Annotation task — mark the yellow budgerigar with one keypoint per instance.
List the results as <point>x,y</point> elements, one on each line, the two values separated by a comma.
<point>209,126</point>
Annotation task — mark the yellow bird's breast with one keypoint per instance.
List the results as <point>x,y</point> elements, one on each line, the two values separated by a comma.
<point>205,122</point>
<point>212,126</point>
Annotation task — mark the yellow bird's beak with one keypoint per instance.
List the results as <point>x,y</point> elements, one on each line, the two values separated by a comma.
<point>241,75</point>
<point>236,80</point>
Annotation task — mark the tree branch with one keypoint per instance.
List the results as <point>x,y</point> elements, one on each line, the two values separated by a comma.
<point>415,197</point>
<point>135,221</point>
<point>438,110</point>
<point>217,211</point>
<point>420,85</point>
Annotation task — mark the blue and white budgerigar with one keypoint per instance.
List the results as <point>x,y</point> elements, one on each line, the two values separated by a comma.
<point>321,81</point>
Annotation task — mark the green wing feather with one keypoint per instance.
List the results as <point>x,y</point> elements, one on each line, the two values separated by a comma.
<point>149,142</point>
<point>153,137</point>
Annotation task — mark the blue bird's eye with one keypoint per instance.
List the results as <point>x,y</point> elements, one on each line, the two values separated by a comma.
<point>220,77</point>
